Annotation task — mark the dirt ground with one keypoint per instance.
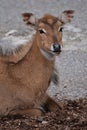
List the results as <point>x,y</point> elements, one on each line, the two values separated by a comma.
<point>72,116</point>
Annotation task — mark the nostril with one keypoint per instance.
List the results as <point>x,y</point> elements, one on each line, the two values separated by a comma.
<point>57,47</point>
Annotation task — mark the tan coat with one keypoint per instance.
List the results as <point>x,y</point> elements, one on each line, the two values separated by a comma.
<point>26,73</point>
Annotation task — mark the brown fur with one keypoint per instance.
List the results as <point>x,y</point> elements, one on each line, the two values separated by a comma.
<point>25,76</point>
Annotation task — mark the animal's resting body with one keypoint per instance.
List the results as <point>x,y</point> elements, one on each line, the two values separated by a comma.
<point>26,70</point>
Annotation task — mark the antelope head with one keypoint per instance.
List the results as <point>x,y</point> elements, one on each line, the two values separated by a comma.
<point>49,31</point>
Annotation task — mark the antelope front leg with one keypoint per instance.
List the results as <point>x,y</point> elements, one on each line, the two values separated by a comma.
<point>50,105</point>
<point>28,112</point>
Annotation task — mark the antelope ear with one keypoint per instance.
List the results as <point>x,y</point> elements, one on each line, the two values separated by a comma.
<point>20,54</point>
<point>66,16</point>
<point>29,19</point>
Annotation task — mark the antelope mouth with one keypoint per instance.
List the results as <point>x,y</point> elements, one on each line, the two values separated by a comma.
<point>49,54</point>
<point>54,52</point>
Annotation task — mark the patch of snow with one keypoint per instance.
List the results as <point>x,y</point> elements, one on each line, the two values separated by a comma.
<point>10,43</point>
<point>70,27</point>
<point>11,32</point>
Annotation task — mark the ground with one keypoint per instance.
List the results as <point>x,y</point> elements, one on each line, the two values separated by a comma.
<point>72,116</point>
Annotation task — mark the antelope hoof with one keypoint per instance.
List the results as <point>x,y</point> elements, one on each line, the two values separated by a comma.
<point>51,106</point>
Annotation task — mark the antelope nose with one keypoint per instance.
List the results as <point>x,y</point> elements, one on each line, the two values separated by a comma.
<point>56,47</point>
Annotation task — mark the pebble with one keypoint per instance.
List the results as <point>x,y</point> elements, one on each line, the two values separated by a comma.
<point>44,122</point>
<point>40,119</point>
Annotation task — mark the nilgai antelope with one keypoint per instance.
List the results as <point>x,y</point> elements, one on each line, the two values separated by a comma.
<point>26,70</point>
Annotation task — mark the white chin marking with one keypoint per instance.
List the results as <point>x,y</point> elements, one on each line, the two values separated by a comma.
<point>47,55</point>
<point>51,48</point>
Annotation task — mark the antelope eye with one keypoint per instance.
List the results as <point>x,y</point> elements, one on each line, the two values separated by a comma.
<point>60,29</point>
<point>42,31</point>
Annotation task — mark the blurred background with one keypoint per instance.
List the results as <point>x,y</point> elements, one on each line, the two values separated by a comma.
<point>10,11</point>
